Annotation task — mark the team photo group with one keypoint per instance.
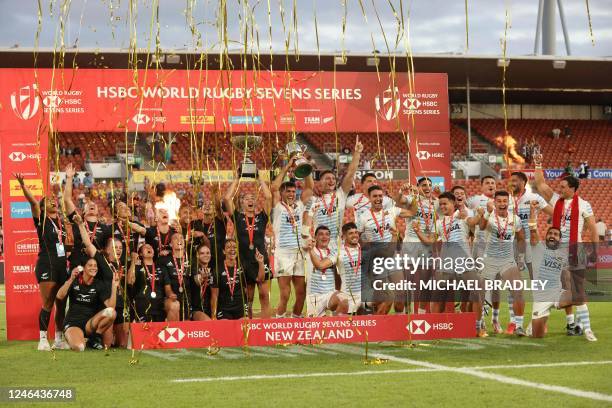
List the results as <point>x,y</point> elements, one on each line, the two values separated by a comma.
<point>208,262</point>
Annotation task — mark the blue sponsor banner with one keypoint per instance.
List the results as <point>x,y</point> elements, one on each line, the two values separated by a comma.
<point>600,174</point>
<point>21,209</point>
<point>245,120</point>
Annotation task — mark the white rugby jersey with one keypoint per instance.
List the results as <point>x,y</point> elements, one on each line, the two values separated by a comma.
<point>316,284</point>
<point>328,210</point>
<point>584,209</point>
<point>373,224</point>
<point>547,266</point>
<point>476,202</point>
<point>361,203</point>
<point>500,240</point>
<point>426,214</point>
<point>521,206</point>
<point>348,261</point>
<point>287,223</point>
<point>456,231</point>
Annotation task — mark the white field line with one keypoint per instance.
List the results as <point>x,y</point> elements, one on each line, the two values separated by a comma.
<point>430,367</point>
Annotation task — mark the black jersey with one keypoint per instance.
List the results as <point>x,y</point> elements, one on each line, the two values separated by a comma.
<point>98,235</point>
<point>194,242</point>
<point>251,228</point>
<point>176,272</point>
<point>216,232</point>
<point>86,300</point>
<point>148,279</point>
<point>158,240</point>
<point>232,289</point>
<point>51,239</point>
<point>118,231</point>
<point>200,294</point>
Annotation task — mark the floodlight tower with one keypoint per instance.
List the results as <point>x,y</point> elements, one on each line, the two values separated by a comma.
<point>545,28</point>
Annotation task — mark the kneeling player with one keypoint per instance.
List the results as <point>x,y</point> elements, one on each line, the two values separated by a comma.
<point>321,291</point>
<point>86,294</point>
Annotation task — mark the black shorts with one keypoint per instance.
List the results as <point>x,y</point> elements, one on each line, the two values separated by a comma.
<point>251,270</point>
<point>75,322</point>
<point>149,311</point>
<point>232,314</point>
<point>47,271</point>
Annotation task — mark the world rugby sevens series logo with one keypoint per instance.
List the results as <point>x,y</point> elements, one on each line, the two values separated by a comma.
<point>388,104</point>
<point>25,102</point>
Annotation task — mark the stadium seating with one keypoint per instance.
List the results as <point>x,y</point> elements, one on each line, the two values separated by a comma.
<point>591,139</point>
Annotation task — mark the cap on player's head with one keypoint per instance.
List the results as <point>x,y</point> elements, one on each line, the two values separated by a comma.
<point>374,188</point>
<point>482,179</point>
<point>286,185</point>
<point>520,175</point>
<point>365,176</point>
<point>348,226</point>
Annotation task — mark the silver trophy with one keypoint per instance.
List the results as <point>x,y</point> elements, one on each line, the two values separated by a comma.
<point>247,144</point>
<point>303,168</point>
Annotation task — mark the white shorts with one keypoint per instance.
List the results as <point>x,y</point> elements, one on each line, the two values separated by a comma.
<point>494,267</point>
<point>354,301</point>
<point>541,309</point>
<point>289,262</point>
<point>318,303</point>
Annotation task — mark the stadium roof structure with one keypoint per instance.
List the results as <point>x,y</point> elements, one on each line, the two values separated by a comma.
<point>529,79</point>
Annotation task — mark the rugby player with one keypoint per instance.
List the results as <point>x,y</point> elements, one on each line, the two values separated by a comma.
<point>501,228</point>
<point>360,202</point>
<point>202,305</point>
<point>571,213</point>
<point>321,291</point>
<point>176,272</point>
<point>148,288</point>
<point>287,215</point>
<point>328,208</point>
<point>50,265</point>
<point>250,229</point>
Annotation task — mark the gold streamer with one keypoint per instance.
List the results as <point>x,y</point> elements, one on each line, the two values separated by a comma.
<point>590,23</point>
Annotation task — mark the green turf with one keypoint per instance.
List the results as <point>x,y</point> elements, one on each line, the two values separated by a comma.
<point>109,380</point>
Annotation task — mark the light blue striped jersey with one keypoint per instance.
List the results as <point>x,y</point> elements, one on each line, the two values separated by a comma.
<point>521,206</point>
<point>426,214</point>
<point>455,231</point>
<point>287,224</point>
<point>500,240</point>
<point>474,203</point>
<point>585,211</point>
<point>361,203</point>
<point>319,209</point>
<point>316,283</point>
<point>348,261</point>
<point>372,224</point>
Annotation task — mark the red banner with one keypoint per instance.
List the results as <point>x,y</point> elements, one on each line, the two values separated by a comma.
<point>93,100</point>
<point>272,332</point>
<point>21,154</point>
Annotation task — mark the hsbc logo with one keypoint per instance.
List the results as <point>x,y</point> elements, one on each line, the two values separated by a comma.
<point>52,101</point>
<point>20,156</point>
<point>388,104</point>
<point>141,119</point>
<point>411,104</point>
<point>25,102</point>
<point>171,335</point>
<point>419,327</point>
<point>424,155</point>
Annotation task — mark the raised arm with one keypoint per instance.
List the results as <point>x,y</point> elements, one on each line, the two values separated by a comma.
<point>63,291</point>
<point>90,248</point>
<point>228,198</point>
<point>112,300</point>
<point>266,194</point>
<point>70,172</point>
<point>534,237</point>
<point>28,195</point>
<point>278,180</point>
<point>543,189</point>
<point>347,182</point>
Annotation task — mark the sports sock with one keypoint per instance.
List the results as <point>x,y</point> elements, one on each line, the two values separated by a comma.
<point>495,315</point>
<point>43,321</point>
<point>518,320</point>
<point>421,311</point>
<point>510,308</point>
<point>478,324</point>
<point>569,319</point>
<point>582,313</point>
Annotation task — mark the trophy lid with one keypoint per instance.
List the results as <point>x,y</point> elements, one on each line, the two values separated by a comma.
<point>246,142</point>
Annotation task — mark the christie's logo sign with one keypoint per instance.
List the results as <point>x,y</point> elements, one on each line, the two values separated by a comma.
<point>25,102</point>
<point>28,246</point>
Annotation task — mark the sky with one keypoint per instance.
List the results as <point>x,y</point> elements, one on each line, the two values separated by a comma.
<point>430,26</point>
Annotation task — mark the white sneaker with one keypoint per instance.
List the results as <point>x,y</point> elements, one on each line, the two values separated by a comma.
<point>43,345</point>
<point>590,336</point>
<point>61,345</point>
